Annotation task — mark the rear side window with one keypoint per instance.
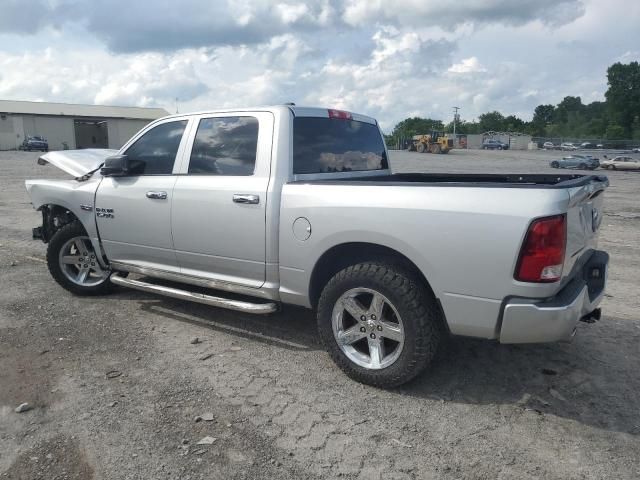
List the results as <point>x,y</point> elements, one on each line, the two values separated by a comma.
<point>154,153</point>
<point>324,145</point>
<point>225,146</point>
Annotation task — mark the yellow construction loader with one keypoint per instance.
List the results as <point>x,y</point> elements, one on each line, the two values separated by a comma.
<point>434,142</point>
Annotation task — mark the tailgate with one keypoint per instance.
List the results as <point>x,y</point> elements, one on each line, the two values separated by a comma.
<point>584,216</point>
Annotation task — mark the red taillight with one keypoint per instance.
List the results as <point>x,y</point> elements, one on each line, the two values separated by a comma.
<point>542,254</point>
<point>339,114</point>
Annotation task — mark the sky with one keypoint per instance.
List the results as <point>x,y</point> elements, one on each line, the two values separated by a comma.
<point>388,59</point>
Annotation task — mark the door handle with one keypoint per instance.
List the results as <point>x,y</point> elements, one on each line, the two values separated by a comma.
<point>246,198</point>
<point>157,195</point>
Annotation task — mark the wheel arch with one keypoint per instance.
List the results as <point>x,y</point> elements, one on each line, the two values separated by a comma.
<point>56,216</point>
<point>342,255</point>
<point>69,196</point>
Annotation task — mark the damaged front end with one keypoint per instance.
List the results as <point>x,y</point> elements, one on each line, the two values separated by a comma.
<point>78,163</point>
<point>54,218</point>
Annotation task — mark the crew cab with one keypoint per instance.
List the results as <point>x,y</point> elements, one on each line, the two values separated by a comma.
<point>254,208</point>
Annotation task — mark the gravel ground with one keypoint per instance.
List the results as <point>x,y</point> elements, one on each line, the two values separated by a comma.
<point>116,383</point>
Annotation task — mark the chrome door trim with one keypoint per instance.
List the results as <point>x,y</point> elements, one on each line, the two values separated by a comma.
<point>191,280</point>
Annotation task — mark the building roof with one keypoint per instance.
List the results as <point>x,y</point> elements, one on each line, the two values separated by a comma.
<point>77,110</point>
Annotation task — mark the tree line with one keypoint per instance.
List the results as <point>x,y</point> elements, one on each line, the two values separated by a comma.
<point>618,117</point>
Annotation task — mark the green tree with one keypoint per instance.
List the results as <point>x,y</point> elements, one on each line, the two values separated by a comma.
<point>491,121</point>
<point>614,132</point>
<point>635,128</point>
<point>616,118</point>
<point>514,124</point>
<point>542,117</point>
<point>463,127</point>
<point>543,114</point>
<point>416,126</point>
<point>623,94</point>
<point>567,106</point>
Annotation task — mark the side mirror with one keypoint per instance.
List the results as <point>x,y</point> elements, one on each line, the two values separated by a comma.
<point>116,166</point>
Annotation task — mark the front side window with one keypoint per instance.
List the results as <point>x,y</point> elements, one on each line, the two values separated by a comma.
<point>324,145</point>
<point>154,153</point>
<point>225,146</point>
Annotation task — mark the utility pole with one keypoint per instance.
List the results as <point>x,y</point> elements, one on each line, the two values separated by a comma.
<point>455,119</point>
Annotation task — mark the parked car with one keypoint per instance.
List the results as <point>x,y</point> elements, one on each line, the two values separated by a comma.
<point>636,149</point>
<point>548,146</point>
<point>568,146</point>
<point>34,142</point>
<point>581,162</point>
<point>492,144</point>
<point>283,205</point>
<point>587,145</point>
<point>621,163</point>
<point>600,145</point>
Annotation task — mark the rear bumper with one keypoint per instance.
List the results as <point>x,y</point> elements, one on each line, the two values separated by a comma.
<point>555,319</point>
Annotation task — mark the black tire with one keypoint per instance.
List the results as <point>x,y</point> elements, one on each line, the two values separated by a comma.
<point>66,233</point>
<point>416,305</point>
<point>420,148</point>
<point>499,147</point>
<point>582,166</point>
<point>555,165</point>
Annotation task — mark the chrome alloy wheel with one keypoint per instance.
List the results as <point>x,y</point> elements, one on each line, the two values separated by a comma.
<point>368,328</point>
<point>79,264</point>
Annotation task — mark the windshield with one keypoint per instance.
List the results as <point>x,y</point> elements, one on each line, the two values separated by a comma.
<point>324,145</point>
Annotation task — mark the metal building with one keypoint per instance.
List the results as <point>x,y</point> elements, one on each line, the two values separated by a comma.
<point>71,126</point>
<point>515,140</point>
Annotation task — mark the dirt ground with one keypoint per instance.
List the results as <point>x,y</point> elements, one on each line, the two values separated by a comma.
<point>116,383</point>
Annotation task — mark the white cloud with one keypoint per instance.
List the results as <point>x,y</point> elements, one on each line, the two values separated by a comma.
<point>389,60</point>
<point>291,13</point>
<point>467,65</point>
<point>450,13</point>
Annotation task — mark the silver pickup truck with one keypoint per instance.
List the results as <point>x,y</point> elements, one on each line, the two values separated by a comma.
<point>253,208</point>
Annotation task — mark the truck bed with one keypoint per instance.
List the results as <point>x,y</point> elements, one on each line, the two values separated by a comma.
<point>468,180</point>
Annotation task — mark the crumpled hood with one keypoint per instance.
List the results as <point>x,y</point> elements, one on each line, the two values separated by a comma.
<point>77,162</point>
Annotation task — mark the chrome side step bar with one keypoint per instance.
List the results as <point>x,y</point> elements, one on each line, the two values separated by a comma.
<point>238,305</point>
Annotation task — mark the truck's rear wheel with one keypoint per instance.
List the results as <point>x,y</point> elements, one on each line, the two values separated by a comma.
<point>420,148</point>
<point>436,148</point>
<point>73,264</point>
<point>380,325</point>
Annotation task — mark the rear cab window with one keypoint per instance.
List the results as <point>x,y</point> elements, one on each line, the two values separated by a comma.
<point>330,145</point>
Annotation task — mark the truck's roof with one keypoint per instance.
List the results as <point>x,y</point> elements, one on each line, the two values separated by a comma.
<point>298,111</point>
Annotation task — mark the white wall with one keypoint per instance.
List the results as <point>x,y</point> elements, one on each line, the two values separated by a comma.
<point>55,129</point>
<point>14,127</point>
<point>10,125</point>
<point>121,130</point>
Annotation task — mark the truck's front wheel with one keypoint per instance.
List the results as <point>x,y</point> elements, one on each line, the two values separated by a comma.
<point>380,325</point>
<point>73,264</point>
